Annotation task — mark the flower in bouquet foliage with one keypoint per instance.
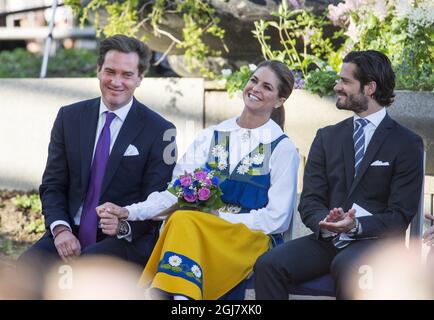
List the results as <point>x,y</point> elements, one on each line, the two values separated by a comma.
<point>198,189</point>
<point>201,175</point>
<point>215,180</point>
<point>186,180</point>
<point>176,183</point>
<point>207,182</point>
<point>203,194</point>
<point>190,197</point>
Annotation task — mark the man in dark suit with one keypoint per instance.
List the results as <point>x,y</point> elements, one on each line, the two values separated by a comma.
<point>362,184</point>
<point>104,149</point>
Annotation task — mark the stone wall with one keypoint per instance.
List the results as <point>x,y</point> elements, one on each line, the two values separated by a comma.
<point>28,108</point>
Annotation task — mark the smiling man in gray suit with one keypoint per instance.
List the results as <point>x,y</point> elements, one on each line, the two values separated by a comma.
<point>105,149</point>
<point>362,184</point>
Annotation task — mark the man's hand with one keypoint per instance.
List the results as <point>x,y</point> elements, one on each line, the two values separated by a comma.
<point>339,221</point>
<point>67,245</point>
<point>428,235</point>
<point>113,209</point>
<point>109,223</point>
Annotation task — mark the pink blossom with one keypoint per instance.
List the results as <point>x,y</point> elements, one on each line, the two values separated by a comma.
<point>190,197</point>
<point>186,181</point>
<point>201,175</point>
<point>204,194</point>
<point>207,182</point>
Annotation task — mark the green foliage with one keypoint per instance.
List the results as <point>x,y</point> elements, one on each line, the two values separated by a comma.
<point>128,17</point>
<point>20,63</point>
<point>404,31</point>
<point>321,82</point>
<point>28,202</point>
<point>35,226</point>
<point>11,248</point>
<point>31,204</point>
<point>235,81</point>
<point>7,247</point>
<point>301,35</point>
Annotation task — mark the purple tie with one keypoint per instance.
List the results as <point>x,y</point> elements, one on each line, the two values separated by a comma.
<point>89,218</point>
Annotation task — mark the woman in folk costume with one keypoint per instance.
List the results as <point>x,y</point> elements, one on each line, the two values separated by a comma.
<point>201,255</point>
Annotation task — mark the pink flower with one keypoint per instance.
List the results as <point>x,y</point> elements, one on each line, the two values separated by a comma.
<point>204,194</point>
<point>186,181</point>
<point>190,197</point>
<point>207,182</point>
<point>200,175</point>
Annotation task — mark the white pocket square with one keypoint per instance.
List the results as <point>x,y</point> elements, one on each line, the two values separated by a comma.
<point>379,163</point>
<point>131,151</point>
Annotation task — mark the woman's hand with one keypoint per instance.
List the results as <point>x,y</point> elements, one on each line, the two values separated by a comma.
<point>110,208</point>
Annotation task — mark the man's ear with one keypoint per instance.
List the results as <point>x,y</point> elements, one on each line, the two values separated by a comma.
<point>140,80</point>
<point>370,88</point>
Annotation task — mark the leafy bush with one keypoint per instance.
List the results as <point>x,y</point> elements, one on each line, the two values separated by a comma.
<point>235,81</point>
<point>32,207</point>
<point>321,82</point>
<point>28,202</point>
<point>20,63</point>
<point>301,34</point>
<point>129,17</point>
<point>403,30</point>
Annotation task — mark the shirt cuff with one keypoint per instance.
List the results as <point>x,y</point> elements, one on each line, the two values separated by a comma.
<point>128,236</point>
<point>354,231</point>
<point>59,223</point>
<point>326,234</point>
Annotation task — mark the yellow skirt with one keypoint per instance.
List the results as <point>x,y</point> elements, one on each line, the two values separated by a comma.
<point>202,256</point>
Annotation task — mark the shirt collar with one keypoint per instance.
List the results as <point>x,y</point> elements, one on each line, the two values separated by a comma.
<point>121,113</point>
<point>266,133</point>
<point>374,118</point>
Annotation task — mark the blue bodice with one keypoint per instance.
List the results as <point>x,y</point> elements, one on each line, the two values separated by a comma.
<point>247,186</point>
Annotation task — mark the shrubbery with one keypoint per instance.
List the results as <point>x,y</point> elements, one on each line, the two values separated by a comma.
<point>20,63</point>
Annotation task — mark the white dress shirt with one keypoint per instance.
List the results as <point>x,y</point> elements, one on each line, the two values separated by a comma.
<point>276,216</point>
<point>115,127</point>
<point>374,121</point>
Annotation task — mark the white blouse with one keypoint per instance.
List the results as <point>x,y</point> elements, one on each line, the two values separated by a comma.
<point>276,216</point>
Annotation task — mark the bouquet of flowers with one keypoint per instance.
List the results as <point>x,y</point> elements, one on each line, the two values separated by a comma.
<point>199,190</point>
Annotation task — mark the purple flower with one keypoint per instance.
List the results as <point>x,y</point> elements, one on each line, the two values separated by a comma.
<point>190,197</point>
<point>203,193</point>
<point>207,182</point>
<point>186,181</point>
<point>200,175</point>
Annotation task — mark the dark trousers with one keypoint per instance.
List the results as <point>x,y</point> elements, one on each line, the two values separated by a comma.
<point>37,261</point>
<point>304,259</point>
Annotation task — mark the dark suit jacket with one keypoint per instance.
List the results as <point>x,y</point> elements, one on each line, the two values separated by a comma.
<point>391,193</point>
<point>127,179</point>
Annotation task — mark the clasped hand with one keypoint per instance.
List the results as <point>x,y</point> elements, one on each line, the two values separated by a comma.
<point>110,215</point>
<point>339,221</point>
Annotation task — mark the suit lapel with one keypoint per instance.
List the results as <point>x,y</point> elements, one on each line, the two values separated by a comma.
<point>88,125</point>
<point>130,129</point>
<point>348,151</point>
<point>377,140</point>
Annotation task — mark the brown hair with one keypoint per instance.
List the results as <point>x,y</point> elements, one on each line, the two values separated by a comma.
<point>375,66</point>
<point>125,44</point>
<point>286,84</point>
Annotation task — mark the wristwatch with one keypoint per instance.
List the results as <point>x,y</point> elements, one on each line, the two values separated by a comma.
<point>123,228</point>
